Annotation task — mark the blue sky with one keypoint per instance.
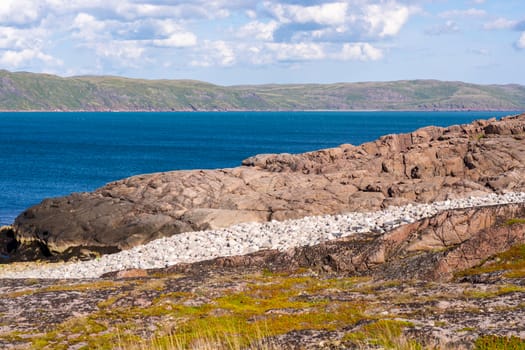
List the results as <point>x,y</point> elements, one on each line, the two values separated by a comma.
<point>231,42</point>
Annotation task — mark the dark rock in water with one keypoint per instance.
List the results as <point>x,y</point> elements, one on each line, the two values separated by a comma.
<point>8,243</point>
<point>429,164</point>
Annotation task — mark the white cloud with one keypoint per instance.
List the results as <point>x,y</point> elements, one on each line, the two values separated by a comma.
<point>182,39</point>
<point>87,27</point>
<point>360,52</point>
<point>258,30</point>
<point>500,23</point>
<point>329,14</point>
<point>19,11</point>
<point>189,10</point>
<point>14,38</point>
<point>172,34</point>
<point>15,59</point>
<point>520,44</point>
<point>386,19</point>
<point>296,52</point>
<point>215,53</point>
<point>126,52</point>
<point>472,12</point>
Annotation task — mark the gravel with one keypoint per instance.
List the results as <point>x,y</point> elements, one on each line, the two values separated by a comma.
<point>251,237</point>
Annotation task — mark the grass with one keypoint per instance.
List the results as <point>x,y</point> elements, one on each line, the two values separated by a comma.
<point>494,342</point>
<point>385,334</point>
<point>501,290</point>
<point>268,305</point>
<point>220,314</point>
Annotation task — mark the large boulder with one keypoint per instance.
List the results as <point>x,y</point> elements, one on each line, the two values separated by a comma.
<point>426,165</point>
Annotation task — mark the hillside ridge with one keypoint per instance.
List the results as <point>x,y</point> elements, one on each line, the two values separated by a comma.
<point>24,91</point>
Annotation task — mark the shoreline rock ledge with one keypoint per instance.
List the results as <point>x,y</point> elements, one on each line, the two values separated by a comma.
<point>427,165</point>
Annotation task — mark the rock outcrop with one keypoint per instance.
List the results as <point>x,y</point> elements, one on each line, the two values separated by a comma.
<point>432,249</point>
<point>429,164</point>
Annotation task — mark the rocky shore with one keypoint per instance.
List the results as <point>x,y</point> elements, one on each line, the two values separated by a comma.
<point>246,238</point>
<point>428,165</point>
<point>411,241</point>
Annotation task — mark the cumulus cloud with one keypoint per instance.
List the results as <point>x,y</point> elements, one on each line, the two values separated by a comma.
<point>19,12</point>
<point>204,33</point>
<point>182,39</point>
<point>87,27</point>
<point>285,52</point>
<point>15,59</point>
<point>126,52</point>
<point>500,23</point>
<point>325,14</point>
<point>386,20</point>
<point>258,30</point>
<point>172,34</point>
<point>360,52</point>
<point>20,38</point>
<point>339,21</point>
<point>215,53</point>
<point>472,12</point>
<point>520,44</point>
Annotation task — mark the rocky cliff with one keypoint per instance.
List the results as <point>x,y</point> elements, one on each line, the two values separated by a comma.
<point>426,165</point>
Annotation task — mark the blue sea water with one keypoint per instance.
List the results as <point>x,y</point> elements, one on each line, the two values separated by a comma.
<point>52,154</point>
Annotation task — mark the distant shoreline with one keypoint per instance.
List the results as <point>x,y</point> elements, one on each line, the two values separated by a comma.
<point>263,111</point>
<point>24,91</point>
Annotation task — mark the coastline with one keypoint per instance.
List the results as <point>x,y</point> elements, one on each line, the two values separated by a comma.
<point>515,111</point>
<point>246,238</point>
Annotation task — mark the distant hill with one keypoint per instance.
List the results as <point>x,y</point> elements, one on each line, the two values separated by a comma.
<point>42,92</point>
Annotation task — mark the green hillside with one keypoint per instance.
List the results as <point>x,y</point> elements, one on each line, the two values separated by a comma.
<point>43,92</point>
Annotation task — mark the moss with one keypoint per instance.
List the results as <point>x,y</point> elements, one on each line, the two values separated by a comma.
<point>494,342</point>
<point>97,285</point>
<point>515,221</point>
<point>501,290</point>
<point>466,329</point>
<point>511,263</point>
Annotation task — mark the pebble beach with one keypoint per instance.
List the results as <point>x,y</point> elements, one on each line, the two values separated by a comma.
<point>247,238</point>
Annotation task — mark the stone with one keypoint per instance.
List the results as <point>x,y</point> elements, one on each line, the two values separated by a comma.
<point>429,164</point>
<point>131,273</point>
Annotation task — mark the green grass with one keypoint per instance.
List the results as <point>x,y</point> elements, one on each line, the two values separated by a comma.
<point>268,305</point>
<point>383,334</point>
<point>494,342</point>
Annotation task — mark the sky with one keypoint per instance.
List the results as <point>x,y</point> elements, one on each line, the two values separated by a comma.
<point>233,42</point>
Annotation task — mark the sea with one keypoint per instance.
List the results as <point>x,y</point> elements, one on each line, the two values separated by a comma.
<point>53,154</point>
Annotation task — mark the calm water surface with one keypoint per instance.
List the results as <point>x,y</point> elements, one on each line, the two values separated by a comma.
<point>53,154</point>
